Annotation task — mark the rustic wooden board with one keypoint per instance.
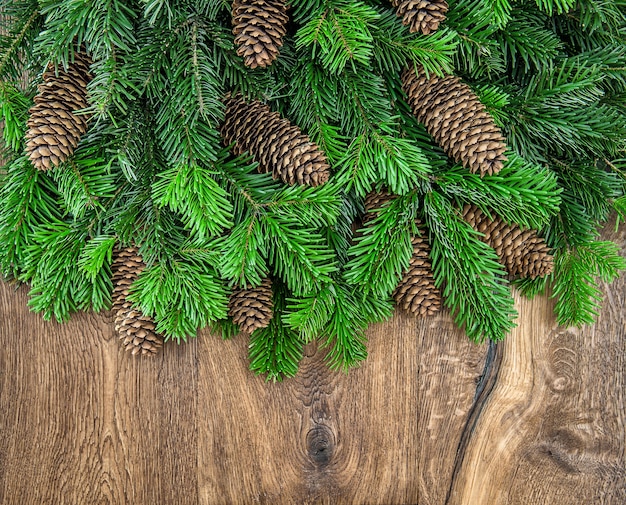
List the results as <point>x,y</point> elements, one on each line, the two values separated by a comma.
<point>553,428</point>
<point>429,419</point>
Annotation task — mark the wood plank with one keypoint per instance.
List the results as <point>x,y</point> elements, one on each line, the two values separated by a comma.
<point>317,438</point>
<point>326,437</point>
<point>58,441</point>
<point>553,429</point>
<point>84,422</point>
<point>450,376</point>
<point>156,415</point>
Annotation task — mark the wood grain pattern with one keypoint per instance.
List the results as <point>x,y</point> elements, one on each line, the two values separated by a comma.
<point>429,419</point>
<point>327,437</point>
<point>553,429</point>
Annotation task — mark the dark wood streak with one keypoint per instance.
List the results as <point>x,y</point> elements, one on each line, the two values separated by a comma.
<point>484,388</point>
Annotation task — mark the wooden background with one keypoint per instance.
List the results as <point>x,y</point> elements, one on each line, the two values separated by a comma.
<point>429,419</point>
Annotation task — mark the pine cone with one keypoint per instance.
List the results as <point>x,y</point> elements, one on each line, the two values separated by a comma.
<point>421,16</point>
<point>522,252</point>
<point>277,145</point>
<point>54,129</point>
<point>416,292</point>
<point>375,200</point>
<point>252,308</point>
<point>457,120</point>
<point>136,330</point>
<point>259,28</point>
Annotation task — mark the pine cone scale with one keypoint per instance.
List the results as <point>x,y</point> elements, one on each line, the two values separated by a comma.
<point>416,292</point>
<point>422,16</point>
<point>259,27</point>
<point>522,252</point>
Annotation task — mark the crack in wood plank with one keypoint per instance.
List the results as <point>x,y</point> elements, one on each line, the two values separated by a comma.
<point>484,388</point>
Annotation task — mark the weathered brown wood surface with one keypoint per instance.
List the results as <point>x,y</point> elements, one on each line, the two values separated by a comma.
<point>429,419</point>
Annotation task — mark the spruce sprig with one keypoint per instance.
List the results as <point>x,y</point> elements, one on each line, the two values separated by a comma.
<point>575,287</point>
<point>467,271</point>
<point>277,349</point>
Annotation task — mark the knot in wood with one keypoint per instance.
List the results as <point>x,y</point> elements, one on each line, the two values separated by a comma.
<point>320,442</point>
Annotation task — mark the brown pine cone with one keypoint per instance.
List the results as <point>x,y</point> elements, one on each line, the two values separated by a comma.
<point>422,16</point>
<point>522,252</point>
<point>54,129</point>
<point>456,119</point>
<point>136,330</point>
<point>416,291</point>
<point>252,308</point>
<point>278,146</point>
<point>259,27</point>
<point>375,200</point>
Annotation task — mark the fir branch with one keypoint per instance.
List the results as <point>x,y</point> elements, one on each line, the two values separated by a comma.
<point>14,114</point>
<point>378,158</point>
<point>532,287</point>
<point>572,226</point>
<point>600,15</point>
<point>85,182</point>
<point>309,314</point>
<point>279,224</point>
<point>521,193</point>
<point>192,191</point>
<point>181,296</point>
<point>394,47</point>
<point>21,23</point>
<point>104,26</point>
<point>277,349</point>
<point>382,252</point>
<point>468,273</point>
<point>312,206</point>
<point>58,288</point>
<point>478,54</point>
<point>97,255</point>
<point>560,111</point>
<point>527,38</point>
<point>225,328</point>
<point>340,234</point>
<point>578,296</point>
<point>234,75</point>
<point>339,35</point>
<point>313,106</point>
<point>249,189</point>
<point>344,332</point>
<point>112,87</point>
<point>243,253</point>
<point>500,12</point>
<point>556,6</point>
<point>133,147</point>
<point>300,257</point>
<point>28,199</point>
<point>155,10</point>
<point>376,153</point>
<point>185,90</point>
<point>591,184</point>
<point>619,205</point>
<point>136,219</point>
<point>495,99</point>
